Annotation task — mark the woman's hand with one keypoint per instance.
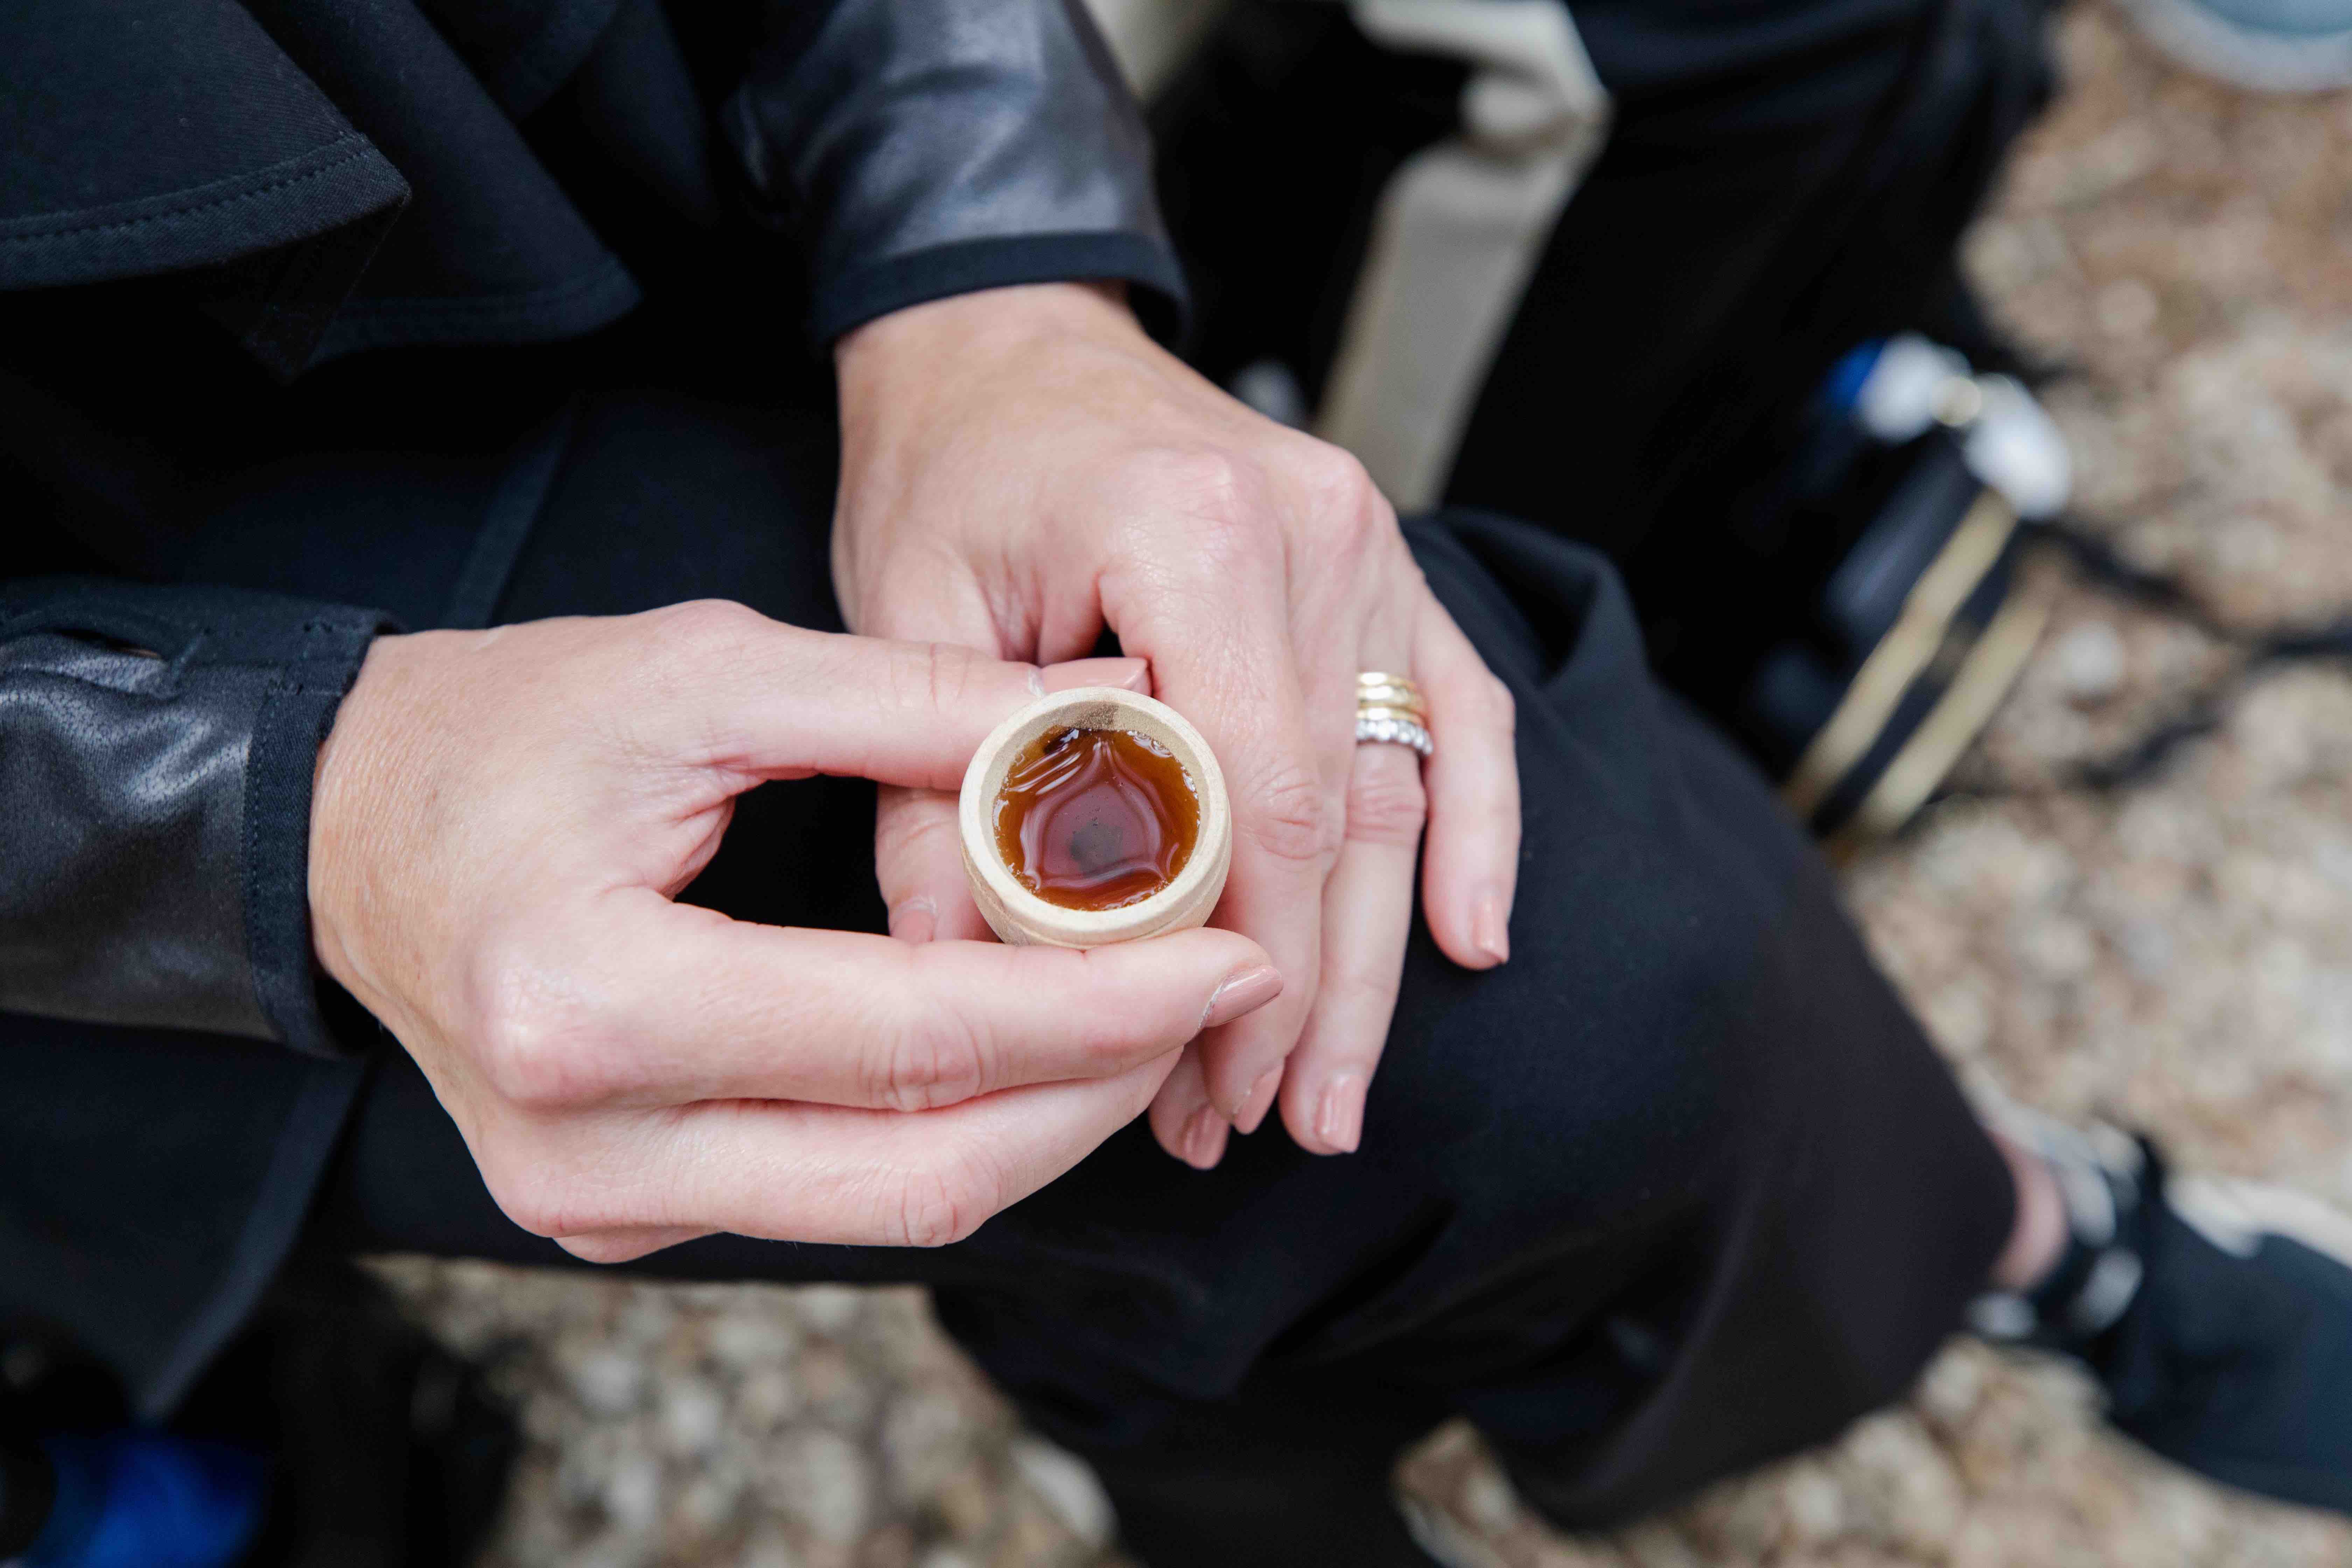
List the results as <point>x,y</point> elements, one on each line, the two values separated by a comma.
<point>1021,468</point>
<point>501,822</point>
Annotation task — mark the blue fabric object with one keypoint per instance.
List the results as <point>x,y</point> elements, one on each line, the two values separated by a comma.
<point>1842,386</point>
<point>146,1499</point>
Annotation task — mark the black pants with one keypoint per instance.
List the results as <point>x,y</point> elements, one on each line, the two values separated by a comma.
<point>1679,1188</point>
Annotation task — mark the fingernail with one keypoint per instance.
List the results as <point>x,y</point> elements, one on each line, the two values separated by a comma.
<point>1127,674</point>
<point>1340,1117</point>
<point>1243,991</point>
<point>1490,926</point>
<point>916,920</point>
<point>1258,1100</point>
<point>1036,683</point>
<point>1205,1138</point>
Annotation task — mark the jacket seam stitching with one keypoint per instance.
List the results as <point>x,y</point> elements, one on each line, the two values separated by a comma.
<point>357,152</point>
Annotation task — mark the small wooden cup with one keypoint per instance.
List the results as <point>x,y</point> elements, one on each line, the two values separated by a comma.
<point>1020,916</point>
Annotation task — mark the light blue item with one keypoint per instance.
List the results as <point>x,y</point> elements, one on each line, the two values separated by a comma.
<point>2269,46</point>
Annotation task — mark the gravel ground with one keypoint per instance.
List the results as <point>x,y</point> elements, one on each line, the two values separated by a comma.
<point>2178,956</point>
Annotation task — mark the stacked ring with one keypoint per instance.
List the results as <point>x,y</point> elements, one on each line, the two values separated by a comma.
<point>1375,689</point>
<point>1391,711</point>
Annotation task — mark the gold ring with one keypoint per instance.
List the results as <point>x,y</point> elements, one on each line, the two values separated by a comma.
<point>1377,689</point>
<point>1390,697</point>
<point>1391,711</point>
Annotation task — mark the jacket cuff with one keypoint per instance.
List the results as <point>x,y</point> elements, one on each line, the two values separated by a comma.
<point>857,297</point>
<point>923,148</point>
<point>157,748</point>
<point>304,678</point>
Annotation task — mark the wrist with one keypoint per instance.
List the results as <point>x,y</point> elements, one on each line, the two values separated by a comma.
<point>923,336</point>
<point>339,792</point>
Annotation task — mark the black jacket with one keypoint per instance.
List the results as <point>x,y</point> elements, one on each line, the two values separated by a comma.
<point>230,231</point>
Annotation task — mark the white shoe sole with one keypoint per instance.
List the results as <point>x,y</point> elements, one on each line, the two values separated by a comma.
<point>2236,1215</point>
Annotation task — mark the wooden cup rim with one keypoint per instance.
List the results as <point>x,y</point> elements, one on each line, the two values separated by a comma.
<point>1020,916</point>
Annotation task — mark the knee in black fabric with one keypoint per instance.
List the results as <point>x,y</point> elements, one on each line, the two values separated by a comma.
<point>1654,864</point>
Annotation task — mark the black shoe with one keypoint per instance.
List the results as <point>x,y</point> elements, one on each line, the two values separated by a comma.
<point>2218,1315</point>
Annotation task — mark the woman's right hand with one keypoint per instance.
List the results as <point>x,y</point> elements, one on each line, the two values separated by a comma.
<point>501,823</point>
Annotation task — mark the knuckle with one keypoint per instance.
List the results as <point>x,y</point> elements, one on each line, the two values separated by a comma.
<point>1338,484</point>
<point>1492,705</point>
<point>903,838</point>
<point>1118,1030</point>
<point>1369,975</point>
<point>1209,479</point>
<point>1291,821</point>
<point>604,1247</point>
<point>531,1065</point>
<point>1386,803</point>
<point>931,675</point>
<point>526,1197</point>
<point>937,1207</point>
<point>706,623</point>
<point>533,1050</point>
<point>929,1058</point>
<point>1344,509</point>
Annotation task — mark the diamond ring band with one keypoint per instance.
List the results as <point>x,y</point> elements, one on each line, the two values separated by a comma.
<point>1391,711</point>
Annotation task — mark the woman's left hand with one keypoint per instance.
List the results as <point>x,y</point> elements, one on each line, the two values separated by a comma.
<point>1022,467</point>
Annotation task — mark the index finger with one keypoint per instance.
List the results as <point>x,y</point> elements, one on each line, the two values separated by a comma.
<point>795,1172</point>
<point>738,691</point>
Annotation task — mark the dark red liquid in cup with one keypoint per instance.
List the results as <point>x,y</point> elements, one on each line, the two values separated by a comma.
<point>1095,820</point>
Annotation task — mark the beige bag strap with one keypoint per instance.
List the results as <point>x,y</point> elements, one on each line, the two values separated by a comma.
<point>1152,39</point>
<point>1458,231</point>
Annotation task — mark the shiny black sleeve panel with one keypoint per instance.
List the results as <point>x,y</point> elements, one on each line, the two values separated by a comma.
<point>924,148</point>
<point>156,752</point>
